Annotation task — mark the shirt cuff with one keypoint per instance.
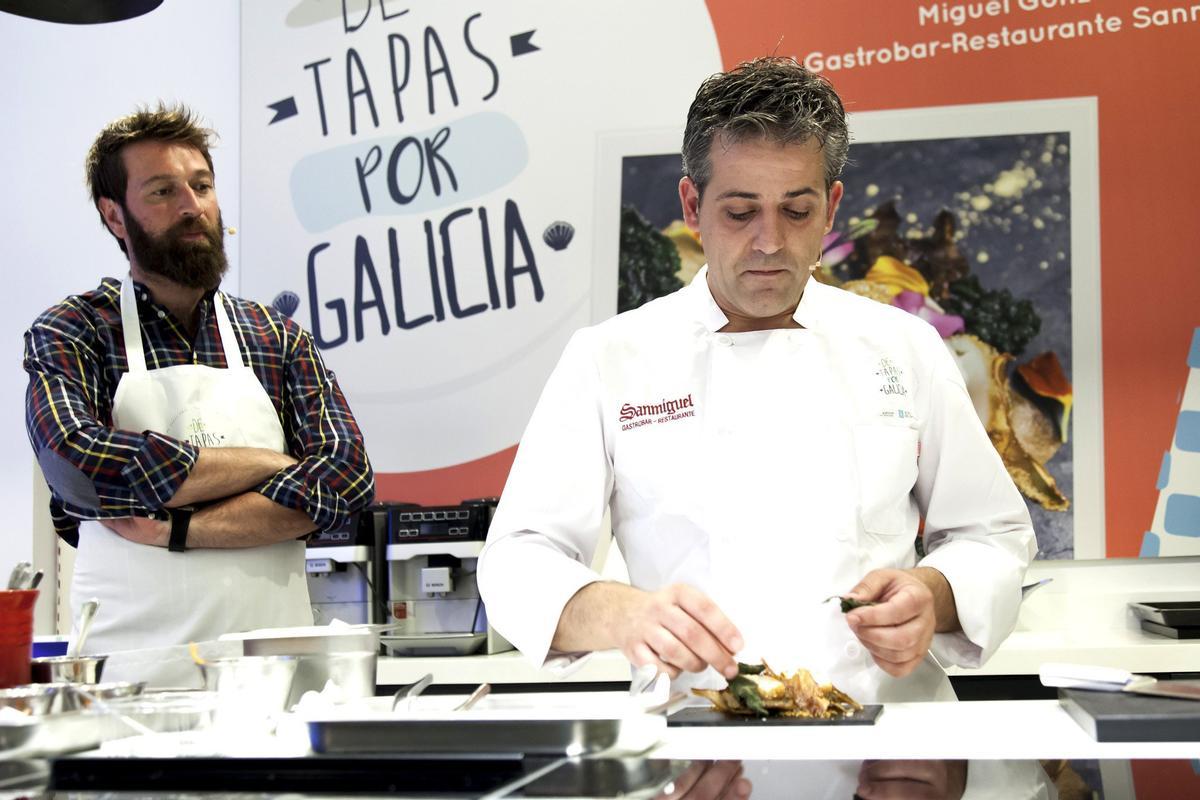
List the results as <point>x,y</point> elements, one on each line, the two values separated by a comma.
<point>159,468</point>
<point>986,582</point>
<point>294,487</point>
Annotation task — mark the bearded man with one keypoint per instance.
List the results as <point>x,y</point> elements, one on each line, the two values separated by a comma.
<point>191,439</point>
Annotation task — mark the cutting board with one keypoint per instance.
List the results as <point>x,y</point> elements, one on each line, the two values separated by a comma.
<point>1124,717</point>
<point>707,717</point>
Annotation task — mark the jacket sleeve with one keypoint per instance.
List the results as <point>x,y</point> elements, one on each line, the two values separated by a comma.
<point>547,526</point>
<point>94,471</point>
<point>333,477</point>
<point>978,532</point>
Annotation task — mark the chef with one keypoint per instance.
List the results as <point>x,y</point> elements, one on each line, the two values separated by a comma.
<point>763,442</point>
<point>190,439</point>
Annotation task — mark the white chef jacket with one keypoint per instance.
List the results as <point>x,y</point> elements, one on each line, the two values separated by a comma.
<point>770,470</point>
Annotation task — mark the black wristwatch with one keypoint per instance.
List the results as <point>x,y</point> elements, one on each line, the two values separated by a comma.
<point>180,518</point>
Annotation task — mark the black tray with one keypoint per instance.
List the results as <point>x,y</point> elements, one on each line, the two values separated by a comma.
<point>1124,717</point>
<point>707,717</point>
<point>1174,613</point>
<point>1181,632</point>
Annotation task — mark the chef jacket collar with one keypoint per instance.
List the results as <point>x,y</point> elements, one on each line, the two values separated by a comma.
<point>710,315</point>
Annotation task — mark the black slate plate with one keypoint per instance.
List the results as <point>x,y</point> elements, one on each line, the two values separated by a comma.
<point>1174,613</point>
<point>1181,632</point>
<point>1124,717</point>
<point>707,717</point>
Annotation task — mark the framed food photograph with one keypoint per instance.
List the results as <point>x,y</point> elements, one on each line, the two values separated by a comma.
<point>981,219</point>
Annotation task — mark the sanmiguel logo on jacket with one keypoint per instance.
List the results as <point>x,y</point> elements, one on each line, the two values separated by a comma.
<point>634,416</point>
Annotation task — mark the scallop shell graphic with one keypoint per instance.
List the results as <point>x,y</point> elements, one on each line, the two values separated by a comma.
<point>558,235</point>
<point>286,303</point>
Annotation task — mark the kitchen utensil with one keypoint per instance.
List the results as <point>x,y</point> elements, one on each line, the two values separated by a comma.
<point>32,699</point>
<point>533,724</point>
<point>1109,679</point>
<point>411,691</point>
<point>68,669</point>
<point>101,705</point>
<point>251,689</point>
<point>16,578</point>
<point>642,679</point>
<point>16,636</point>
<point>169,711</point>
<point>36,579</point>
<point>86,614</point>
<point>76,696</point>
<point>481,691</point>
<point>353,674</point>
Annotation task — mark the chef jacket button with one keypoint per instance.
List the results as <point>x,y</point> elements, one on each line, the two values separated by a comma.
<point>725,340</point>
<point>162,315</point>
<point>853,650</point>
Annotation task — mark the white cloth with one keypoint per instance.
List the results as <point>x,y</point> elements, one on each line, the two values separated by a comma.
<point>770,470</point>
<point>151,598</point>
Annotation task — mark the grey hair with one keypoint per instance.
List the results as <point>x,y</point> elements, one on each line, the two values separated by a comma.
<point>773,98</point>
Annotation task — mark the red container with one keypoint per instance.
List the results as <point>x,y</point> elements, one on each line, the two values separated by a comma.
<point>16,635</point>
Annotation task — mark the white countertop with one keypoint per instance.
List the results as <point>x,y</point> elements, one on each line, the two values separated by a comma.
<point>1003,729</point>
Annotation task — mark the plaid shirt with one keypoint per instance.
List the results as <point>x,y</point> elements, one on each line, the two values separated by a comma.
<point>75,356</point>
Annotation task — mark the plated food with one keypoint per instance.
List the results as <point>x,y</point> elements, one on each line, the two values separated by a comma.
<point>760,690</point>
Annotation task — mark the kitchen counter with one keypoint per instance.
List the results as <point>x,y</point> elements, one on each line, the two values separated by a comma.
<point>991,736</point>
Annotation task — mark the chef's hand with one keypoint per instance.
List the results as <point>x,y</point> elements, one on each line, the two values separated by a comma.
<point>680,629</point>
<point>709,780</point>
<point>912,780</point>
<point>913,604</point>
<point>141,530</point>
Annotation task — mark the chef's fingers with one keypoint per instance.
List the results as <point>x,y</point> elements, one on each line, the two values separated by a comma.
<point>642,654</point>
<point>669,649</point>
<point>906,601</point>
<point>720,779</point>
<point>700,641</point>
<point>701,608</point>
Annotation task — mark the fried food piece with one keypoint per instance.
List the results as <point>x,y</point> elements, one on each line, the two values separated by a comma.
<point>760,690</point>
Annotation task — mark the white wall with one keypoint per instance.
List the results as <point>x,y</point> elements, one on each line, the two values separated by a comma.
<point>61,84</point>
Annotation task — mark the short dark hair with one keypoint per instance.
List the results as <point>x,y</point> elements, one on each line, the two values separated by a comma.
<point>106,176</point>
<point>774,98</point>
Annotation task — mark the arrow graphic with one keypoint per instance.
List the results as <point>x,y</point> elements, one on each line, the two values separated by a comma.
<point>283,109</point>
<point>521,44</point>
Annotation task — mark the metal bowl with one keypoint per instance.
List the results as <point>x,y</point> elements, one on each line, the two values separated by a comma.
<point>169,711</point>
<point>352,673</point>
<point>32,699</point>
<point>249,689</point>
<point>72,695</point>
<point>68,669</point>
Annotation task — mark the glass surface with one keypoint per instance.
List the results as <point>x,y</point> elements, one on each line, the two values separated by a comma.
<point>652,779</point>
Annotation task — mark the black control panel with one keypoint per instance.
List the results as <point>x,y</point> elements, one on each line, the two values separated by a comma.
<point>467,521</point>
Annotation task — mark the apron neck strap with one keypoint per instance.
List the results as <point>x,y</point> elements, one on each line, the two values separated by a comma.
<point>131,328</point>
<point>135,354</point>
<point>233,353</point>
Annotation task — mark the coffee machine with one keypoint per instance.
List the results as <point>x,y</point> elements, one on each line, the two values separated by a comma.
<point>347,576</point>
<point>433,598</point>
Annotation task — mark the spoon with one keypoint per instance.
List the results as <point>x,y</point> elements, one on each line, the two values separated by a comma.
<point>86,614</point>
<point>410,691</point>
<point>480,692</point>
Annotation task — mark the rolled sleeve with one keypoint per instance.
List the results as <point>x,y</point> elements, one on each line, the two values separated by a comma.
<point>333,477</point>
<point>158,468</point>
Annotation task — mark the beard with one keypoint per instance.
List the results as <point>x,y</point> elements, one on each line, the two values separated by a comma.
<point>194,264</point>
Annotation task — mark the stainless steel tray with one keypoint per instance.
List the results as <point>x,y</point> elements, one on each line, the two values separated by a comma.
<point>547,737</point>
<point>546,724</point>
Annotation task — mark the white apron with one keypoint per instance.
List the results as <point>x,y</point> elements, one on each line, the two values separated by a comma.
<point>153,600</point>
